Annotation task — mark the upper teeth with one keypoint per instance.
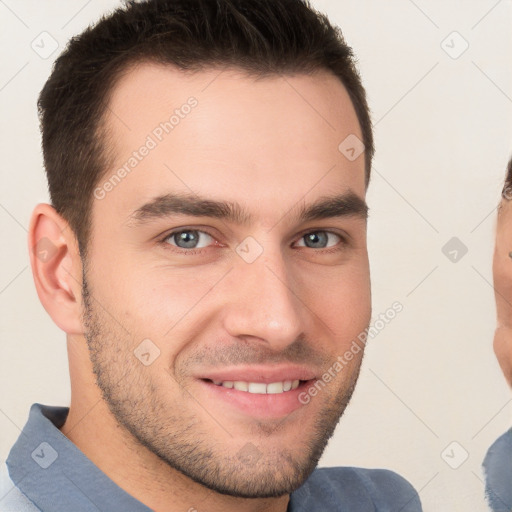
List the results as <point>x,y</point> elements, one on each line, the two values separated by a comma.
<point>259,387</point>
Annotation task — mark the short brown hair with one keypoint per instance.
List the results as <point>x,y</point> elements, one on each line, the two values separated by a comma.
<point>506,193</point>
<point>262,37</point>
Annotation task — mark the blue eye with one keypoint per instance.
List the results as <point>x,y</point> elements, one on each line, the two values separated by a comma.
<point>189,239</point>
<point>319,239</point>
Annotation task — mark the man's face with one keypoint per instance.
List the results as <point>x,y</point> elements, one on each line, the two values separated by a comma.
<point>241,315</point>
<point>502,271</point>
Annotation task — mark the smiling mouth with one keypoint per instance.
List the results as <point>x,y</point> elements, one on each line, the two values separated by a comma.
<point>259,388</point>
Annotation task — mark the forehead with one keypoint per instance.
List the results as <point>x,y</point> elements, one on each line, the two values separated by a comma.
<point>228,135</point>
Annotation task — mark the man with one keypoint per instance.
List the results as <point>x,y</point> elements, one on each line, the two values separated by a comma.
<point>498,461</point>
<point>205,253</point>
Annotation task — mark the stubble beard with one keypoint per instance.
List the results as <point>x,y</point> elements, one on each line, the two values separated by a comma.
<point>180,439</point>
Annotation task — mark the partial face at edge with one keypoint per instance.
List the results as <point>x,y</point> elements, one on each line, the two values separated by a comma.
<point>271,300</point>
<point>502,273</point>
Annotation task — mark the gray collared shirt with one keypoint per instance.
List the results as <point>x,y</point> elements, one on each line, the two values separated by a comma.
<point>48,473</point>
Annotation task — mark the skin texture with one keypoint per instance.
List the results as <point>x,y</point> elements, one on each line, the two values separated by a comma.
<point>160,431</point>
<point>502,273</point>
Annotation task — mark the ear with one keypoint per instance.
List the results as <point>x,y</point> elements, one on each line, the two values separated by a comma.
<point>56,267</point>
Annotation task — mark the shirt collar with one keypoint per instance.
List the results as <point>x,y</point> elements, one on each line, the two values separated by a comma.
<point>55,475</point>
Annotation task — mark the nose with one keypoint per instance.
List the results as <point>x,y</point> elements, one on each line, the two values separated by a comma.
<point>263,304</point>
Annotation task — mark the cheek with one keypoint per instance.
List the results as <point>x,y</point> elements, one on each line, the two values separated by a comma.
<point>159,301</point>
<point>342,299</point>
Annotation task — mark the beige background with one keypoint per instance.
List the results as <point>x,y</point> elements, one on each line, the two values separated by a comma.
<point>443,136</point>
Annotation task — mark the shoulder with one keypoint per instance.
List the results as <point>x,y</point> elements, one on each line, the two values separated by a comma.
<point>11,498</point>
<point>356,489</point>
<point>504,442</point>
<point>497,467</point>
<point>499,456</point>
<point>386,488</point>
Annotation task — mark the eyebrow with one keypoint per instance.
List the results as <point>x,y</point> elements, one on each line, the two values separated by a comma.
<point>343,205</point>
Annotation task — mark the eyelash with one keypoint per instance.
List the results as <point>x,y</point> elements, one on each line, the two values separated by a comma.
<point>191,252</point>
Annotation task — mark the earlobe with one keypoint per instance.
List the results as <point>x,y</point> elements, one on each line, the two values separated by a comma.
<point>56,267</point>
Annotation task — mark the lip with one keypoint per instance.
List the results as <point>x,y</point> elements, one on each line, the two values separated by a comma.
<point>253,405</point>
<point>264,374</point>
